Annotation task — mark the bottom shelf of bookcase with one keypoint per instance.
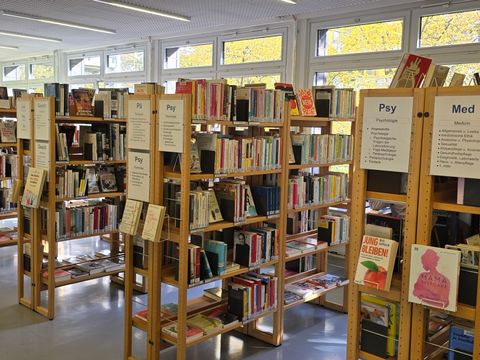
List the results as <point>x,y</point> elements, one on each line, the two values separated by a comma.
<point>367,356</point>
<point>313,296</point>
<point>9,242</point>
<point>83,278</point>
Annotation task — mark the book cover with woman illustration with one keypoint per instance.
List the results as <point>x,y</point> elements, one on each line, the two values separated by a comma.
<point>434,276</point>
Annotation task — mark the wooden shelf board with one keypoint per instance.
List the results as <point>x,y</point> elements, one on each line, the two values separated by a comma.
<point>318,206</point>
<point>305,234</point>
<point>87,119</point>
<point>393,294</point>
<point>312,297</point>
<point>139,271</point>
<point>90,162</point>
<point>464,311</point>
<point>367,356</point>
<point>310,165</point>
<point>305,253</point>
<point>303,275</point>
<point>83,278</point>
<point>14,144</point>
<point>83,236</point>
<point>386,196</point>
<point>177,175</point>
<point>168,276</point>
<point>92,196</point>
<point>451,206</point>
<point>239,124</point>
<point>140,323</point>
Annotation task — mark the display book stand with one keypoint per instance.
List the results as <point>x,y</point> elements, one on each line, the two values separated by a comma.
<point>42,236</point>
<point>399,289</point>
<point>435,196</point>
<point>8,214</point>
<point>321,254</point>
<point>179,235</point>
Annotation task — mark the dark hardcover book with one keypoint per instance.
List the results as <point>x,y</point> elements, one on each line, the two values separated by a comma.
<point>207,161</point>
<point>88,151</point>
<point>213,262</point>
<point>226,236</point>
<point>98,108</point>
<point>53,89</point>
<point>235,301</point>
<point>386,181</point>
<point>471,195</point>
<point>373,338</point>
<point>206,270</point>
<point>468,281</point>
<point>262,196</point>
<point>323,101</point>
<point>242,104</point>
<point>242,254</point>
<point>227,208</point>
<point>297,153</point>
<point>325,233</point>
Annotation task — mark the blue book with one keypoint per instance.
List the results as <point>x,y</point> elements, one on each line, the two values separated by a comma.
<point>219,248</point>
<point>461,343</point>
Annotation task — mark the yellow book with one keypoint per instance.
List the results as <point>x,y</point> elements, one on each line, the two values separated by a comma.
<point>131,217</point>
<point>34,187</point>
<point>153,222</point>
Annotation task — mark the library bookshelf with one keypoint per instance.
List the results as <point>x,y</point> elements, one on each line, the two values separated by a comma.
<point>53,221</point>
<point>438,199</point>
<point>321,126</point>
<point>398,293</point>
<point>176,232</point>
<point>7,235</point>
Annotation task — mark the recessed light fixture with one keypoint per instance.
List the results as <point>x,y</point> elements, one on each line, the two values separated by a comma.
<point>290,1</point>
<point>55,22</point>
<point>28,36</point>
<point>8,47</point>
<point>144,9</point>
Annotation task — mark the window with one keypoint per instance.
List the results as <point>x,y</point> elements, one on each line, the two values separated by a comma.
<point>449,29</point>
<point>88,65</point>
<point>355,39</point>
<point>118,85</point>
<point>188,56</point>
<point>14,72</point>
<point>357,79</point>
<point>40,71</point>
<point>269,80</point>
<point>125,62</point>
<point>255,50</point>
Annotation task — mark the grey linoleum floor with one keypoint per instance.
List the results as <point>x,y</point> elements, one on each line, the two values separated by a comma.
<point>89,325</point>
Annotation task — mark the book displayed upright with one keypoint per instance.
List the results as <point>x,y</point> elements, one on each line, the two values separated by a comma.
<point>411,71</point>
<point>34,187</point>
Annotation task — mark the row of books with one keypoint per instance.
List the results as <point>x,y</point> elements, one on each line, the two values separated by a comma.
<point>321,149</point>
<point>304,245</point>
<point>333,102</point>
<point>111,103</point>
<point>84,218</point>
<point>86,269</point>
<point>8,165</point>
<point>222,154</point>
<point>303,221</point>
<point>252,294</point>
<point>333,229</point>
<point>6,201</point>
<point>61,95</point>
<point>306,189</point>
<point>77,181</point>
<point>313,286</point>
<point>300,265</point>
<point>216,100</point>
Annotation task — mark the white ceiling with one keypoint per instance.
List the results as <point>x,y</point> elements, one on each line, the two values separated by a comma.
<point>133,26</point>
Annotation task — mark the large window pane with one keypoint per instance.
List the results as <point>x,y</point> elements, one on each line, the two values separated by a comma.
<point>41,71</point>
<point>84,66</point>
<point>466,69</point>
<point>189,56</point>
<point>382,36</point>
<point>126,62</point>
<point>269,80</point>
<point>450,29</point>
<point>356,79</point>
<point>14,72</point>
<point>252,50</point>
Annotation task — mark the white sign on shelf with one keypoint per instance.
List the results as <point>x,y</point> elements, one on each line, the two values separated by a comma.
<point>171,125</point>
<point>42,155</point>
<point>24,118</point>
<point>42,118</point>
<point>138,131</point>
<point>456,137</point>
<point>138,178</point>
<point>387,125</point>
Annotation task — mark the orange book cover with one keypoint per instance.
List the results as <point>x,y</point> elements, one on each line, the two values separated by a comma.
<point>307,105</point>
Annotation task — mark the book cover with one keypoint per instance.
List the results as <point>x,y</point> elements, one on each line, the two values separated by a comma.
<point>411,71</point>
<point>457,79</point>
<point>461,343</point>
<point>290,96</point>
<point>375,262</point>
<point>434,274</point>
<point>192,332</point>
<point>213,208</point>
<point>153,222</point>
<point>307,105</point>
<point>436,75</point>
<point>83,100</point>
<point>34,187</point>
<point>131,216</point>
<point>8,131</point>
<point>108,181</point>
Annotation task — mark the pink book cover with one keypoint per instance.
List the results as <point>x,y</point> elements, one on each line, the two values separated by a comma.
<point>434,274</point>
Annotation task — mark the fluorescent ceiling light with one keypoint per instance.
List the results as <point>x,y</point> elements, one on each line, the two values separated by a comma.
<point>56,22</point>
<point>27,36</point>
<point>8,47</point>
<point>144,9</point>
<point>290,1</point>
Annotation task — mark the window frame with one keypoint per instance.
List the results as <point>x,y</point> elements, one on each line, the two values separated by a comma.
<point>84,78</point>
<point>125,74</point>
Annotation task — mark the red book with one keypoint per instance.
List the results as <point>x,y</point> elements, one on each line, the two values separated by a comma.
<point>411,71</point>
<point>184,87</point>
<point>307,105</point>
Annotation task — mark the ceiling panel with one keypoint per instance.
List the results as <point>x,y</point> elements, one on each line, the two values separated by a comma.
<point>134,26</point>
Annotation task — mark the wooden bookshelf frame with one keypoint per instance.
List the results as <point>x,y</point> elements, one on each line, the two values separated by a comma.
<point>399,291</point>
<point>430,201</point>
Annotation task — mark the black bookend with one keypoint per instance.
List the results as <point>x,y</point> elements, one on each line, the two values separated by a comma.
<point>88,151</point>
<point>98,109</point>
<point>468,281</point>
<point>386,181</point>
<point>227,208</point>
<point>297,154</point>
<point>196,239</point>
<point>207,161</point>
<point>242,254</point>
<point>471,195</point>
<point>213,261</point>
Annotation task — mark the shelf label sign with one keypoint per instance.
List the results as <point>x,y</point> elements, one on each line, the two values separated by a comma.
<point>42,155</point>
<point>386,132</point>
<point>138,124</point>
<point>171,125</point>
<point>42,118</point>
<point>24,119</point>
<point>138,178</point>
<point>456,137</point>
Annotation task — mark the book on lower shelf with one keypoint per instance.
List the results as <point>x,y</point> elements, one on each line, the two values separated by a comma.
<point>461,342</point>
<point>59,275</point>
<point>316,285</point>
<point>192,333</point>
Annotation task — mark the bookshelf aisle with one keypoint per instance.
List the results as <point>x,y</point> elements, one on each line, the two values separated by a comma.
<point>8,173</point>
<point>449,210</point>
<point>386,172</point>
<point>318,207</point>
<point>235,248</point>
<point>83,160</point>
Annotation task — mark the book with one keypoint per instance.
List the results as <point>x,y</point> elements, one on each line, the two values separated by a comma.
<point>108,181</point>
<point>213,208</point>
<point>83,101</point>
<point>34,187</point>
<point>305,100</point>
<point>4,100</point>
<point>92,181</point>
<point>467,192</point>
<point>153,222</point>
<point>375,262</point>
<point>8,130</point>
<point>434,274</point>
<point>436,75</point>
<point>290,96</point>
<point>131,216</point>
<point>59,275</point>
<point>457,80</point>
<point>91,267</point>
<point>411,71</point>
<point>205,323</point>
<point>193,333</point>
<point>215,293</point>
<point>461,342</point>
